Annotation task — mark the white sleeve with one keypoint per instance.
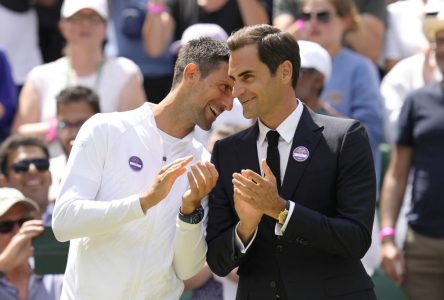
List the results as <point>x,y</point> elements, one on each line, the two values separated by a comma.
<point>190,247</point>
<point>76,213</point>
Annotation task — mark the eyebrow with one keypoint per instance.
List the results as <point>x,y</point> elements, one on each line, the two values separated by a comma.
<point>241,74</point>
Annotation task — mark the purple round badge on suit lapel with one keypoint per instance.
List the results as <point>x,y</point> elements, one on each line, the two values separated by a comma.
<point>135,163</point>
<point>300,153</point>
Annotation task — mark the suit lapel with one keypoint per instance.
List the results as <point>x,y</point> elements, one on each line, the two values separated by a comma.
<point>307,136</point>
<point>247,150</point>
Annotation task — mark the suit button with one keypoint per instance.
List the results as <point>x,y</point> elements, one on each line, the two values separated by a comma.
<point>273,284</point>
<point>279,248</point>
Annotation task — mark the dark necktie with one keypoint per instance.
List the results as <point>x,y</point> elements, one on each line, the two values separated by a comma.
<point>273,159</point>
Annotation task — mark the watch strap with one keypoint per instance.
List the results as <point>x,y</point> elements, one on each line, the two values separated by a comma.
<point>194,218</point>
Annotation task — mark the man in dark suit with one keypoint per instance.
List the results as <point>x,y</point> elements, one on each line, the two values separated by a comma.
<point>302,239</point>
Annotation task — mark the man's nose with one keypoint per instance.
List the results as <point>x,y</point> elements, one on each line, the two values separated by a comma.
<point>228,102</point>
<point>237,90</point>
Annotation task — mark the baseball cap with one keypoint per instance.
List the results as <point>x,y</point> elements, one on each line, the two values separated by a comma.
<point>197,31</point>
<point>316,57</point>
<point>10,197</point>
<point>70,7</point>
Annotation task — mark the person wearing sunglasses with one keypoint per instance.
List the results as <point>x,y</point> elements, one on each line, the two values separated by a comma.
<point>367,39</point>
<point>75,105</point>
<point>24,165</point>
<point>18,225</point>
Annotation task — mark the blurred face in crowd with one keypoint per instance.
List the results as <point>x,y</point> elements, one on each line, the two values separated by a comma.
<point>213,96</point>
<point>70,117</point>
<point>309,86</point>
<point>28,172</point>
<point>86,27</point>
<point>18,213</point>
<point>439,49</point>
<point>322,23</point>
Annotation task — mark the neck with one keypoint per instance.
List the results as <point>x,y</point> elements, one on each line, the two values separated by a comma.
<point>274,118</point>
<point>171,116</point>
<point>84,61</point>
<point>333,50</point>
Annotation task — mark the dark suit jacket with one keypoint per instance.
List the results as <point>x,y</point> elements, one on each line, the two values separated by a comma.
<point>334,192</point>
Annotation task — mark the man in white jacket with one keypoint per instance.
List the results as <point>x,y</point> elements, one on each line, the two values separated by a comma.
<point>135,224</point>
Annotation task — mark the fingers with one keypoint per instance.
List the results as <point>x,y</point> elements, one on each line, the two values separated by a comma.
<point>202,178</point>
<point>180,162</point>
<point>267,171</point>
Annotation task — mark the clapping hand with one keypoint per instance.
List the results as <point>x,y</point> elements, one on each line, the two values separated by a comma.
<point>164,182</point>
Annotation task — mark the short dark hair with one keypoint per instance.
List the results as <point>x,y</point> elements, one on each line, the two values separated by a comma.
<point>206,52</point>
<point>76,94</point>
<point>14,142</point>
<point>273,45</point>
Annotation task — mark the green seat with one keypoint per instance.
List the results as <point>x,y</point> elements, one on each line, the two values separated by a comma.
<point>385,288</point>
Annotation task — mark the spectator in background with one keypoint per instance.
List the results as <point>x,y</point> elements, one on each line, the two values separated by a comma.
<point>314,73</point>
<point>117,81</point>
<point>407,75</point>
<point>8,97</point>
<point>126,36</point>
<point>366,39</point>
<point>75,105</point>
<point>419,146</point>
<point>406,17</point>
<point>168,19</point>
<point>24,165</point>
<point>353,88</point>
<point>17,228</point>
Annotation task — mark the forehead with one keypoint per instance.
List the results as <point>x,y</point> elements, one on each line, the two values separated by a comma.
<point>86,11</point>
<point>219,74</point>
<point>318,5</point>
<point>74,108</point>
<point>26,152</point>
<point>244,59</point>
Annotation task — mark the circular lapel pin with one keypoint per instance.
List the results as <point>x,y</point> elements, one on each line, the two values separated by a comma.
<point>135,163</point>
<point>300,154</point>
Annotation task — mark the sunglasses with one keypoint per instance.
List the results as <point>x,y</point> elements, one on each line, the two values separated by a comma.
<point>42,164</point>
<point>9,225</point>
<point>321,16</point>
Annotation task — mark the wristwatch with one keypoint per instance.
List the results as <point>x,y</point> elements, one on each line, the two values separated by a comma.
<point>195,217</point>
<point>283,214</point>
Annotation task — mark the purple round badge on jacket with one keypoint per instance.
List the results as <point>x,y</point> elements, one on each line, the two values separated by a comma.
<point>135,163</point>
<point>300,154</point>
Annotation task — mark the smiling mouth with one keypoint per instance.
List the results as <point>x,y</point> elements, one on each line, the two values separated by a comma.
<point>215,111</point>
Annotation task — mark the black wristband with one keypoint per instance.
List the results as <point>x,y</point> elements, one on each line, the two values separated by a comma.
<point>194,218</point>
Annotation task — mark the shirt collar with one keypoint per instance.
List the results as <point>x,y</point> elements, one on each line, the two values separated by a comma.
<point>286,129</point>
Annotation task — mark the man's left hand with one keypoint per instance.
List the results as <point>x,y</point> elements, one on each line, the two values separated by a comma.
<point>202,179</point>
<point>260,192</point>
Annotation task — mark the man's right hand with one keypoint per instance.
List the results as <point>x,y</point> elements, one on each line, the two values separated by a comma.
<point>19,248</point>
<point>164,182</point>
<point>392,261</point>
<point>249,217</point>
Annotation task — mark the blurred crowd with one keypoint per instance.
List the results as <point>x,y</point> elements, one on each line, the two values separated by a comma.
<point>377,61</point>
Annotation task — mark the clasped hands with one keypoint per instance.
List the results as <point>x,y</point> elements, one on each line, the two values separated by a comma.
<point>255,196</point>
<point>202,177</point>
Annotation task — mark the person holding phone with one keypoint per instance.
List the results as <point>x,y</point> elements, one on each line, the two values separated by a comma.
<point>18,225</point>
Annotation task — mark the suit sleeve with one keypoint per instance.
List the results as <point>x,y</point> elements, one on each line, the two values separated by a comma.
<point>222,256</point>
<point>347,232</point>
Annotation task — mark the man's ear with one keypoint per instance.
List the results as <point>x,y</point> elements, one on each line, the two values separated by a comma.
<point>3,181</point>
<point>191,73</point>
<point>286,72</point>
